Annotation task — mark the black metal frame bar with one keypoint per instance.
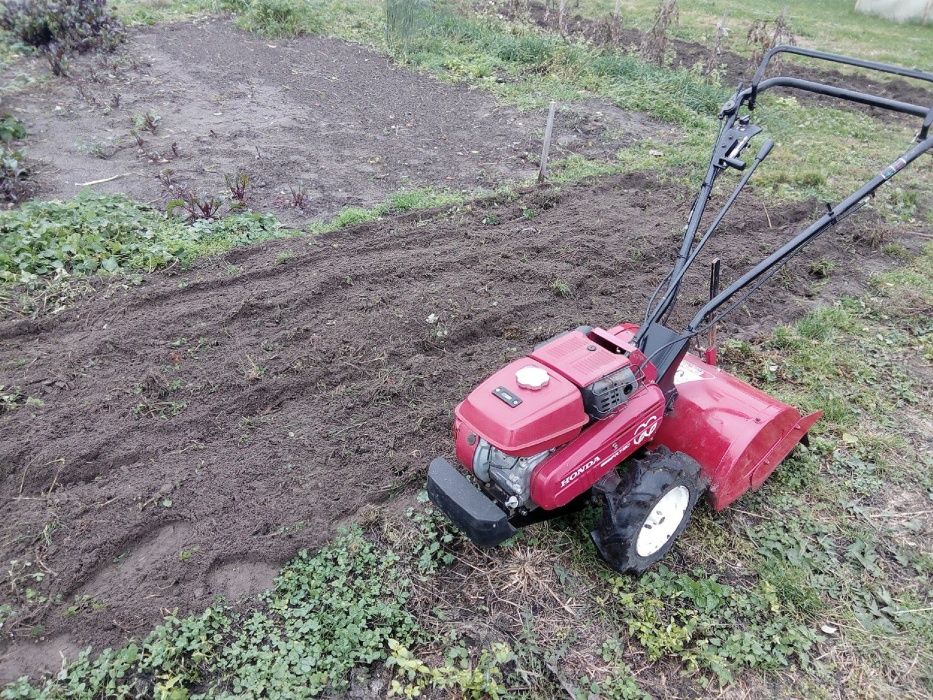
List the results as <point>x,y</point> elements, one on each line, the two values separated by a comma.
<point>668,346</point>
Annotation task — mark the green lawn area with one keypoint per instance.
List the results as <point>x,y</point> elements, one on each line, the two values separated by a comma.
<point>829,25</point>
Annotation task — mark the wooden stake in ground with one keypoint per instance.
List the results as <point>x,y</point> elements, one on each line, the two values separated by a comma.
<point>546,147</point>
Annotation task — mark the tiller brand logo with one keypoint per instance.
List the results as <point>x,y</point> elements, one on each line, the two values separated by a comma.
<point>645,430</point>
<point>576,473</point>
<point>642,433</point>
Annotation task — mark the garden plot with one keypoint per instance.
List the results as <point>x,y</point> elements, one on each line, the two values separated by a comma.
<point>314,122</point>
<point>183,438</point>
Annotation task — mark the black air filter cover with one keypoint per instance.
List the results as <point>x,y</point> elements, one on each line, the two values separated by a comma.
<point>605,395</point>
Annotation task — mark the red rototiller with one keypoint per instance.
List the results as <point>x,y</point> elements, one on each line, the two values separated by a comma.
<point>627,415</point>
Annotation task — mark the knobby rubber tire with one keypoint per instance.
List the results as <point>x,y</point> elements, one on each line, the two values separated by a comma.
<point>643,482</point>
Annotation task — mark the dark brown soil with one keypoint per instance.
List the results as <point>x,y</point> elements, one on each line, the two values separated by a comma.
<point>735,68</point>
<point>340,120</point>
<point>196,431</point>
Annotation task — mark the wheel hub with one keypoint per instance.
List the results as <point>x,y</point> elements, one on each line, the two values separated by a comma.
<point>663,520</point>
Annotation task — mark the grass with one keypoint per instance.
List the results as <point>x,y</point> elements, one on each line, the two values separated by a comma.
<point>831,25</point>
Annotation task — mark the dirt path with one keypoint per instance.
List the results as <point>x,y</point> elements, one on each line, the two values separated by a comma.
<point>340,120</point>
<point>194,432</point>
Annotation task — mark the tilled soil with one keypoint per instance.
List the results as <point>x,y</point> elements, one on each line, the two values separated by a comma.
<point>187,436</point>
<point>340,121</point>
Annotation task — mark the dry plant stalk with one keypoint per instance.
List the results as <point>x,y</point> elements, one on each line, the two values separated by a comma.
<point>764,35</point>
<point>654,43</point>
<point>715,55</point>
<point>562,18</point>
<point>610,32</point>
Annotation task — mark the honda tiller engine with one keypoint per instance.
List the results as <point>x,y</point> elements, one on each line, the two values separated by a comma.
<point>551,428</point>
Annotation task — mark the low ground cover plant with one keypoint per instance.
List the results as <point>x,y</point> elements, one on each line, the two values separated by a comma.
<point>93,234</point>
<point>326,613</point>
<point>13,171</point>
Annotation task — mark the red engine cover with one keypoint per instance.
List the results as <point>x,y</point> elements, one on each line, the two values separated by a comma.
<point>578,358</point>
<point>545,418</point>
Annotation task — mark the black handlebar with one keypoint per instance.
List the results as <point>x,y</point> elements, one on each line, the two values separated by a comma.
<point>664,346</point>
<point>748,95</point>
<point>835,58</point>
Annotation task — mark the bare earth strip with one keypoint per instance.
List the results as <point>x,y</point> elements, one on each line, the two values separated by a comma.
<point>337,118</point>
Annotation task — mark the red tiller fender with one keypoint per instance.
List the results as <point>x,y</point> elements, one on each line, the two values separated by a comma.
<point>737,433</point>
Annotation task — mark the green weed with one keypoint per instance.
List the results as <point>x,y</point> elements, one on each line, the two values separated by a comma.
<point>11,398</point>
<point>560,288</point>
<point>13,171</point>
<point>327,612</point>
<point>276,18</point>
<point>109,234</point>
<point>484,679</point>
<point>284,257</point>
<point>159,409</point>
<point>711,625</point>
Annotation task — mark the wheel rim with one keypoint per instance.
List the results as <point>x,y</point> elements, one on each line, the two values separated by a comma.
<point>662,522</point>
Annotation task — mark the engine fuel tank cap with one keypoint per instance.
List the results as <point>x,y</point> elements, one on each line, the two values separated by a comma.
<point>532,377</point>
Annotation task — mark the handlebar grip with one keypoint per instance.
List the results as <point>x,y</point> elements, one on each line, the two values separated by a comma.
<point>765,149</point>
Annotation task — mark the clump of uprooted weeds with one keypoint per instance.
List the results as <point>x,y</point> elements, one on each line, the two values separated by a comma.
<point>59,27</point>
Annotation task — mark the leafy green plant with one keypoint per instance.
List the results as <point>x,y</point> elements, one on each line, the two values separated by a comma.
<point>712,625</point>
<point>484,679</point>
<point>148,121</point>
<point>85,235</point>
<point>11,129</point>
<point>93,234</point>
<point>430,544</point>
<point>12,175</point>
<point>327,612</point>
<point>12,170</point>
<point>560,288</point>
<point>10,398</point>
<point>821,268</point>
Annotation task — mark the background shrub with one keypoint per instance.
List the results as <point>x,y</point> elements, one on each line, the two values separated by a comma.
<point>68,25</point>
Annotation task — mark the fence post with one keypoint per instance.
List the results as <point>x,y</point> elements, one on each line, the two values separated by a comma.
<point>546,147</point>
